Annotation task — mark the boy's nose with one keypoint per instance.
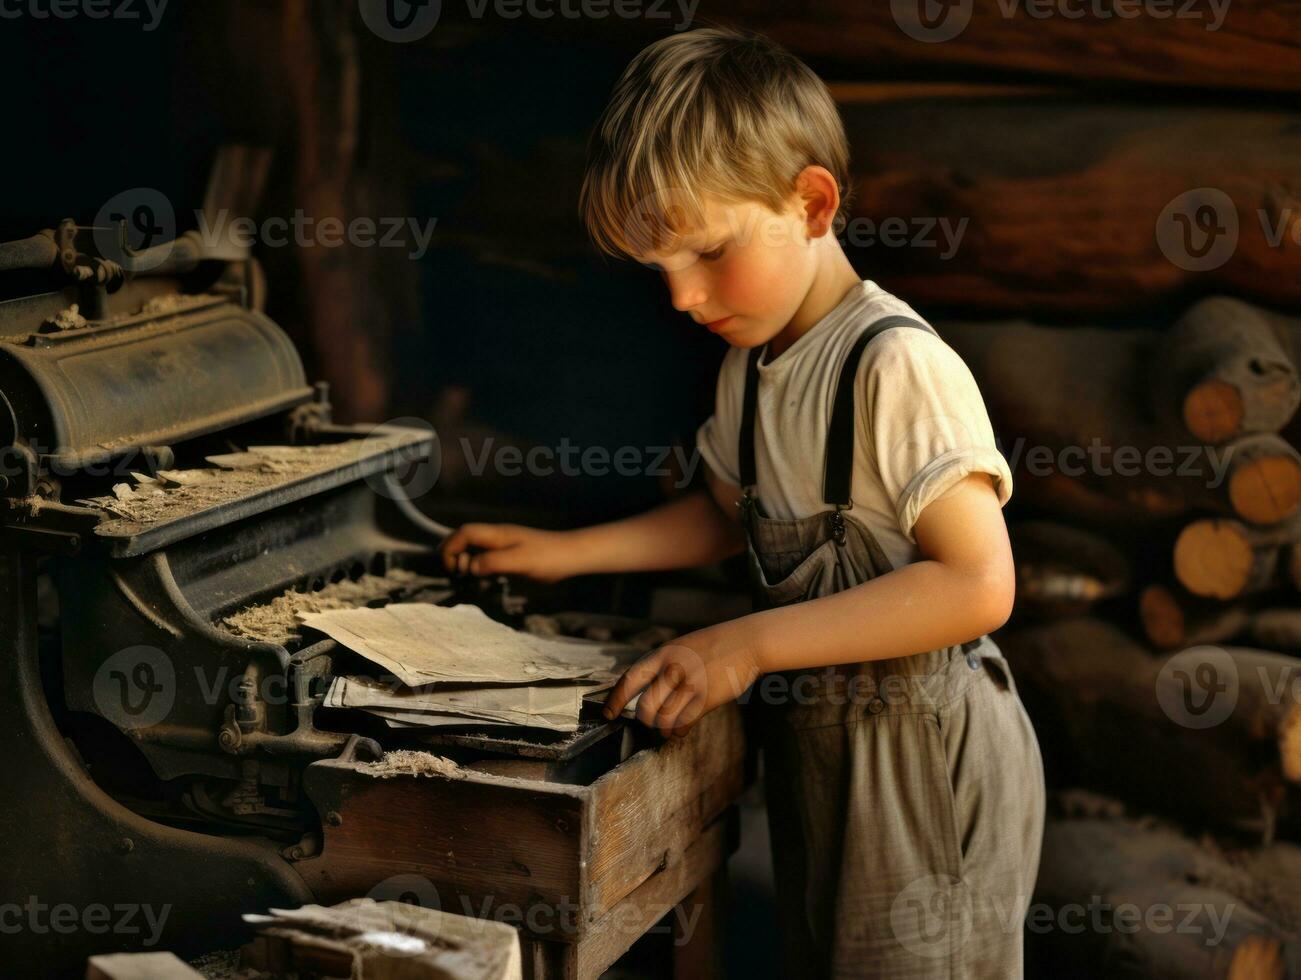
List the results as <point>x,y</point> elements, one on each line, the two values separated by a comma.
<point>685,291</point>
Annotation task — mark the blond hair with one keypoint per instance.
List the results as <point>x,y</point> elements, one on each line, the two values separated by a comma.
<point>715,111</point>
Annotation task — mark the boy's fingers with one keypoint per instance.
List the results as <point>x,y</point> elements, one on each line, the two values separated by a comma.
<point>494,562</point>
<point>648,705</point>
<point>672,706</point>
<point>633,680</point>
<point>688,716</point>
<point>473,535</point>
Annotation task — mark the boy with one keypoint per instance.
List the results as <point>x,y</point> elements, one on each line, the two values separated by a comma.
<point>851,456</point>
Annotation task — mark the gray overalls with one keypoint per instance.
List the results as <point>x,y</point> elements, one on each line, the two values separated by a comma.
<point>905,796</point>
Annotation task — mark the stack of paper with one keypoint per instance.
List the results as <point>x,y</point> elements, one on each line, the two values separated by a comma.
<point>455,666</point>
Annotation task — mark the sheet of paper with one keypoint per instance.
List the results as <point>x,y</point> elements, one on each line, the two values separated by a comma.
<point>553,706</point>
<point>430,719</point>
<point>423,643</point>
<point>598,697</point>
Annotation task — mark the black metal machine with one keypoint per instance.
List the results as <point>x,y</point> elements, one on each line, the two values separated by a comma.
<point>152,757</point>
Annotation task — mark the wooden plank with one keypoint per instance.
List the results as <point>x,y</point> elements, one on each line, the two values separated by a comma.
<point>1256,45</point>
<point>490,841</point>
<point>611,935</point>
<point>658,801</point>
<point>1071,205</point>
<point>139,966</point>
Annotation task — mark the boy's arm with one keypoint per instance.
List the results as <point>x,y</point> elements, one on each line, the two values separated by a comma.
<point>698,528</point>
<point>962,589</point>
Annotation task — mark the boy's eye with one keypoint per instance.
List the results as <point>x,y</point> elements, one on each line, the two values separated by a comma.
<point>713,254</point>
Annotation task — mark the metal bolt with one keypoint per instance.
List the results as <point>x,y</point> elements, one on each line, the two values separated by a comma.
<point>333,819</point>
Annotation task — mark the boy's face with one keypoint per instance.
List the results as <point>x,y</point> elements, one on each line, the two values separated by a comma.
<point>745,273</point>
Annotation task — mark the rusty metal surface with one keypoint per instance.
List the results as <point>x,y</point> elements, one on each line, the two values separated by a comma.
<point>82,396</point>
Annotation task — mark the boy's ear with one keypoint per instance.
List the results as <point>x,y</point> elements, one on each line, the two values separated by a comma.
<point>819,198</point>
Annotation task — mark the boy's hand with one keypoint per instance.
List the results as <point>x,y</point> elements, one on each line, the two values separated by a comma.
<point>686,678</point>
<point>509,549</point>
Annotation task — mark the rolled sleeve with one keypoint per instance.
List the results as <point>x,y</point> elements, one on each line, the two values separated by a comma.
<point>928,423</point>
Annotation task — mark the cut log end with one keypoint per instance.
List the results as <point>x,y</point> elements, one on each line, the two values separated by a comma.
<point>1214,559</point>
<point>1266,490</point>
<point>1163,620</point>
<point>1212,411</point>
<point>1257,957</point>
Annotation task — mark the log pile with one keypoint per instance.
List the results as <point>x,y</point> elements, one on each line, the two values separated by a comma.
<point>1156,640</point>
<point>1148,900</point>
<point>1179,444</point>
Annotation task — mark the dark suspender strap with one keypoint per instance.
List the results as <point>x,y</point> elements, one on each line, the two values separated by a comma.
<point>745,448</point>
<point>839,465</point>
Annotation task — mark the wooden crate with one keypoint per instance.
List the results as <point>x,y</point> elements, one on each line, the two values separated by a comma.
<point>582,870</point>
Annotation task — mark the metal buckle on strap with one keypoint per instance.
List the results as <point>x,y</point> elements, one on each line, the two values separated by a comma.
<point>746,503</point>
<point>838,523</point>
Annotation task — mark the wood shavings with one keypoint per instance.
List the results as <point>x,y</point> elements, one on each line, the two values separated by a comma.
<point>407,762</point>
<point>185,492</point>
<point>174,302</point>
<point>278,621</point>
<point>69,319</point>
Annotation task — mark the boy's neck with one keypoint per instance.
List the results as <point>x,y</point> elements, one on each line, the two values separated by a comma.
<point>830,285</point>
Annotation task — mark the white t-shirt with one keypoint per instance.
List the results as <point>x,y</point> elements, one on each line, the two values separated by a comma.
<point>921,424</point>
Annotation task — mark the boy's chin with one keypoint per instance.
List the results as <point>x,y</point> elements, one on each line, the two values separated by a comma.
<point>746,339</point>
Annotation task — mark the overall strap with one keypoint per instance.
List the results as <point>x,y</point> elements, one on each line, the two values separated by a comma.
<point>840,437</point>
<point>839,461</point>
<point>745,447</point>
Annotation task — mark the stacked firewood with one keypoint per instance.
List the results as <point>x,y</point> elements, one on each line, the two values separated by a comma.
<point>1156,642</point>
<point>1178,445</point>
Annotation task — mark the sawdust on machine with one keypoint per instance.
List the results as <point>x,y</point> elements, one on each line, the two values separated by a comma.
<point>171,494</point>
<point>278,621</point>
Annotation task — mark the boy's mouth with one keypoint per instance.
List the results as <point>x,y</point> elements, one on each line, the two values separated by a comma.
<point>716,325</point>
